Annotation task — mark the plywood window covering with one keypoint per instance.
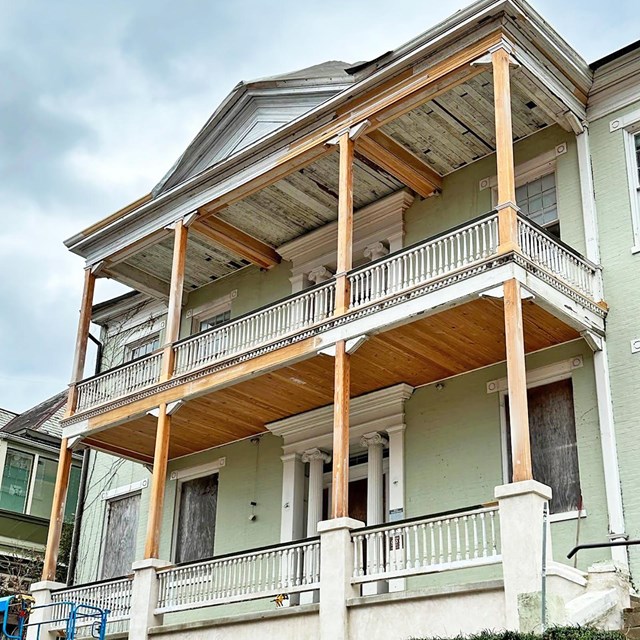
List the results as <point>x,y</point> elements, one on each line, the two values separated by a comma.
<point>196,525</point>
<point>120,535</point>
<point>554,448</point>
<point>141,348</point>
<point>538,201</point>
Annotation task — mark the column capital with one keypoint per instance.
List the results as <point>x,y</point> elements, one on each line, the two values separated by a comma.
<point>372,439</point>
<point>319,274</point>
<point>375,250</point>
<point>316,454</point>
<point>288,457</point>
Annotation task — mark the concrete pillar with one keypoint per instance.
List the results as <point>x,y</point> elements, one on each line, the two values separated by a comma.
<point>396,489</point>
<point>521,535</point>
<point>336,569</point>
<point>316,459</point>
<point>144,596</point>
<point>291,524</point>
<point>41,592</point>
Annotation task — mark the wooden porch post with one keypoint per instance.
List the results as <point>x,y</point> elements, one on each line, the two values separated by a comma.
<point>342,372</point>
<point>82,338</point>
<point>57,512</point>
<point>175,298</point>
<point>158,483</point>
<point>507,210</point>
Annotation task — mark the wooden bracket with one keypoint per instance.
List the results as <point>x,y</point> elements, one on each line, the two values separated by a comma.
<point>351,346</point>
<point>593,340</point>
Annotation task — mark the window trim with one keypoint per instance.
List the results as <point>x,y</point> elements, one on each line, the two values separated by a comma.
<point>129,347</point>
<point>181,476</point>
<point>208,309</point>
<point>539,377</point>
<point>633,181</point>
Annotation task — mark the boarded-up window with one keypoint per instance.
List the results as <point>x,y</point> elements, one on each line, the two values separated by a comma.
<point>197,518</point>
<point>554,449</point>
<point>120,536</point>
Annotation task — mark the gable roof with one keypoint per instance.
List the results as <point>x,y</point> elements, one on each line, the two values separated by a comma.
<point>6,416</point>
<point>253,110</point>
<point>44,418</point>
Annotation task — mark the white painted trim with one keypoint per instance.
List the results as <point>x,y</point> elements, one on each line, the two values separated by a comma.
<point>589,213</point>
<point>21,544</point>
<point>119,492</point>
<point>541,165</point>
<point>212,308</point>
<point>542,375</point>
<point>628,134</point>
<point>625,121</point>
<point>567,515</point>
<point>32,483</point>
<point>190,473</point>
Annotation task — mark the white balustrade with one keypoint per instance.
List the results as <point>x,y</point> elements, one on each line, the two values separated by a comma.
<point>417,265</point>
<point>257,329</point>
<point>113,595</point>
<point>427,545</point>
<point>263,573</point>
<point>119,382</point>
<point>555,258</point>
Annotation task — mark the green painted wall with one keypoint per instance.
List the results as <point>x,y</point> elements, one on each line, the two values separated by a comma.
<point>621,273</point>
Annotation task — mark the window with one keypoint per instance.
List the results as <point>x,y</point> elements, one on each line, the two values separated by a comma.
<point>120,534</point>
<point>215,320</point>
<point>16,481</point>
<point>537,200</point>
<point>554,449</point>
<point>196,521</point>
<point>43,487</point>
<point>140,348</point>
<point>632,141</point>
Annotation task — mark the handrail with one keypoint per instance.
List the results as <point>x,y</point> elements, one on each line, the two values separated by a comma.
<point>600,545</point>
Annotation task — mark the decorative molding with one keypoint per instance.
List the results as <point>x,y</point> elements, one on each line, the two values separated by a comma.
<point>541,375</point>
<point>635,345</point>
<point>373,439</point>
<point>315,454</point>
<point>531,169</point>
<point>625,121</point>
<point>376,222</point>
<point>320,274</point>
<point>375,250</point>
<point>351,346</point>
<point>201,470</point>
<point>219,304</point>
<point>124,490</point>
<point>372,412</point>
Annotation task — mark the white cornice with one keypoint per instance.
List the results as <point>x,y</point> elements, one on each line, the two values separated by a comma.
<point>377,411</point>
<point>378,221</point>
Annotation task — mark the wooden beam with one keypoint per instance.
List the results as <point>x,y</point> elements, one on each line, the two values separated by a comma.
<point>341,401</point>
<point>237,241</point>
<point>175,297</point>
<point>121,452</point>
<point>57,512</point>
<point>138,279</point>
<point>82,337</point>
<point>345,223</point>
<point>158,482</point>
<point>517,382</point>
<point>391,156</point>
<point>507,216</point>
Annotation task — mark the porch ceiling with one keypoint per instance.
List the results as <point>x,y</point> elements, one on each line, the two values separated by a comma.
<point>452,342</point>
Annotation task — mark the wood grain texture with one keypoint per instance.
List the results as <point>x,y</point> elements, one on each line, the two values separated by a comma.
<point>340,454</point>
<point>452,342</point>
<point>345,223</point>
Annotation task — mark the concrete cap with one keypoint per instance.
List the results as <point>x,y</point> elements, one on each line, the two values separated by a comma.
<point>339,523</point>
<point>46,585</point>
<point>523,488</point>
<point>150,563</point>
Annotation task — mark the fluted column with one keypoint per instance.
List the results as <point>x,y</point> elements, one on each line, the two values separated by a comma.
<point>316,459</point>
<point>375,443</point>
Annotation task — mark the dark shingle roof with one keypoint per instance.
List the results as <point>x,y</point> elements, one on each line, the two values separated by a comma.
<point>44,417</point>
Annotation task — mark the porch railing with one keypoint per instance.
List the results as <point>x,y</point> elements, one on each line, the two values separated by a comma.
<point>252,575</point>
<point>556,257</point>
<point>114,595</point>
<point>256,329</point>
<point>395,274</point>
<point>119,382</point>
<point>458,248</point>
<point>427,545</point>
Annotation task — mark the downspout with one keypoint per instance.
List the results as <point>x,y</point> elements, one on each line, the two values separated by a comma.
<point>82,490</point>
<point>608,442</point>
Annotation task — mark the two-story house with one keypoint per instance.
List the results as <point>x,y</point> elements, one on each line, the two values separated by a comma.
<point>381,365</point>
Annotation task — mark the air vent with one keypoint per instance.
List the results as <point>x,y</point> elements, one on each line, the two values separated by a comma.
<point>531,104</point>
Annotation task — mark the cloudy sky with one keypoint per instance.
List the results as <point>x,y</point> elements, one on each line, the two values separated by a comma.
<point>98,98</point>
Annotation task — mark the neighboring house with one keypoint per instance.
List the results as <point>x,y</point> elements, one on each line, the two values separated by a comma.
<point>399,294</point>
<point>29,447</point>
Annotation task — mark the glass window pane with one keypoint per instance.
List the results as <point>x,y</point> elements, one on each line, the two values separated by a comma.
<point>72,495</point>
<point>538,200</point>
<point>197,518</point>
<point>548,181</point>
<point>43,488</point>
<point>143,348</point>
<point>216,320</point>
<point>15,481</point>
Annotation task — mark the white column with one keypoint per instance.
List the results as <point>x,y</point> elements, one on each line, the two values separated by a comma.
<point>375,444</point>
<point>292,497</point>
<point>144,597</point>
<point>396,488</point>
<point>609,446</point>
<point>316,459</point>
<point>41,592</point>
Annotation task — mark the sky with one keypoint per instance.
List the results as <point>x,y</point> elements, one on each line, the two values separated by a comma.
<point>98,98</point>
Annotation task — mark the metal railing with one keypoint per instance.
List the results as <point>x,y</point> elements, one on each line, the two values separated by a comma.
<point>441,255</point>
<point>427,545</point>
<point>256,329</point>
<point>119,382</point>
<point>113,595</point>
<point>251,575</point>
<point>556,257</point>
